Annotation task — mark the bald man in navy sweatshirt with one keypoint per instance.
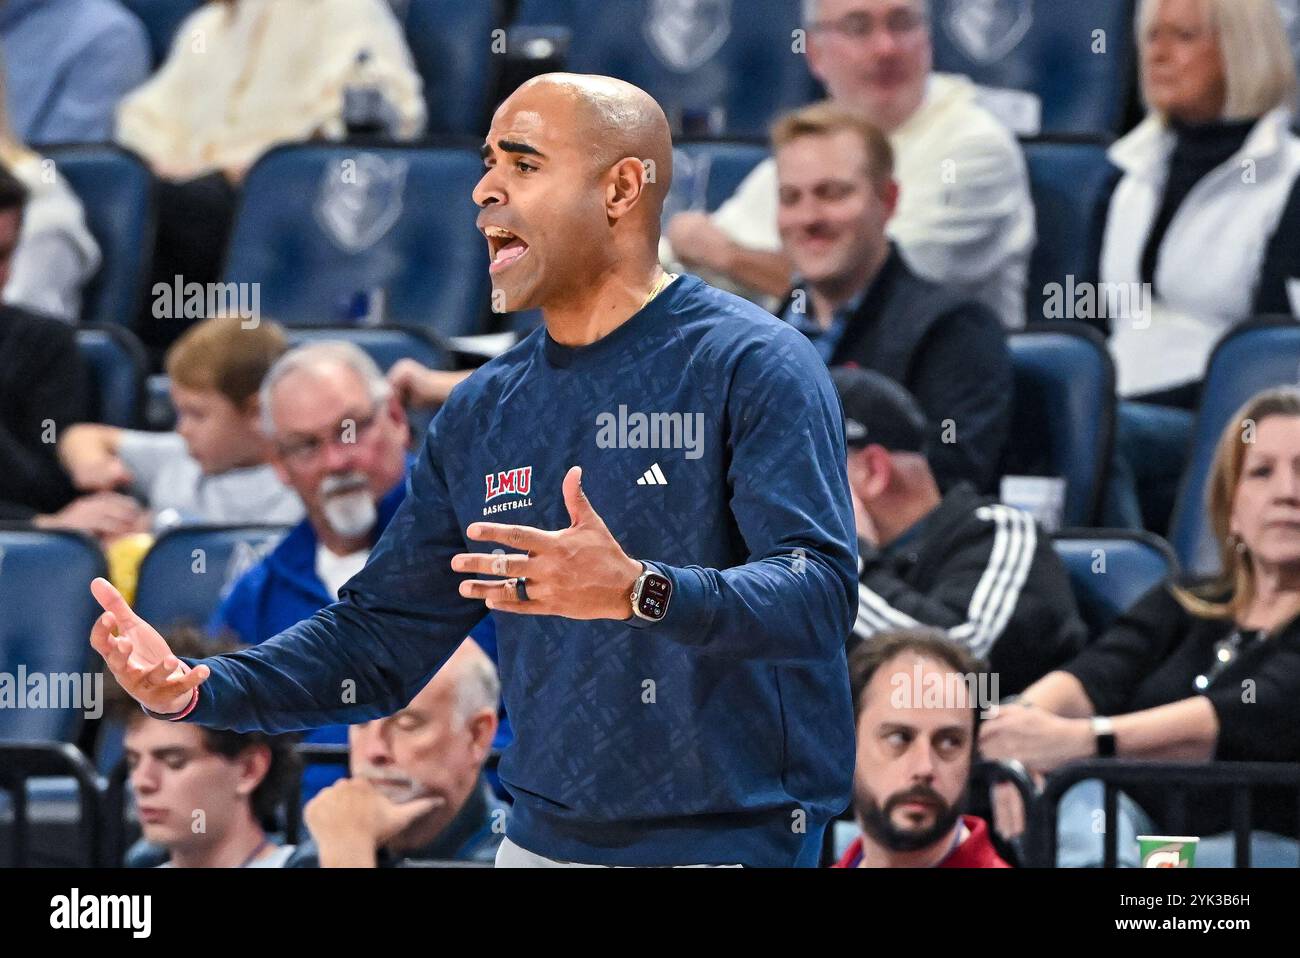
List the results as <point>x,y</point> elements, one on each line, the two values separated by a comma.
<point>650,493</point>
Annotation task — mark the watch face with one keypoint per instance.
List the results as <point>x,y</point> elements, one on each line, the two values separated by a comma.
<point>653,602</point>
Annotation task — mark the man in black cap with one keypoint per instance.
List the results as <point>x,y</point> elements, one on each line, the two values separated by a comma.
<point>982,572</point>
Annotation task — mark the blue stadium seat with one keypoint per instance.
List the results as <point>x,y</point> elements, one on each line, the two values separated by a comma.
<point>116,363</point>
<point>1110,569</point>
<point>188,571</point>
<point>45,629</point>
<point>730,60</point>
<point>1063,416</point>
<point>161,19</point>
<point>386,345</point>
<point>1071,185</point>
<point>1052,50</point>
<point>451,43</point>
<point>329,231</point>
<point>116,190</point>
<point>707,172</point>
<point>1253,357</point>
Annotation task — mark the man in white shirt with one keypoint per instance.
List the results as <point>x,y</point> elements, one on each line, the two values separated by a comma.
<point>965,218</point>
<point>215,467</point>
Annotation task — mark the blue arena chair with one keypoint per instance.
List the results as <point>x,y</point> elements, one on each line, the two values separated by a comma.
<point>725,66</point>
<point>116,364</point>
<point>1110,569</point>
<point>1077,58</point>
<point>161,19</point>
<point>1071,184</point>
<point>337,235</point>
<point>1063,418</point>
<point>707,172</point>
<point>116,191</point>
<point>1255,356</point>
<point>45,630</point>
<point>451,43</point>
<point>188,570</point>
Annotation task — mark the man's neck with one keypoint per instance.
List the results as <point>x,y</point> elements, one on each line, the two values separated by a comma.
<point>603,303</point>
<point>875,855</point>
<point>339,545</point>
<point>837,292</point>
<point>424,831</point>
<point>231,850</point>
<point>894,517</point>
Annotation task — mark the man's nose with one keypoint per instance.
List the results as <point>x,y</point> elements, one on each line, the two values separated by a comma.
<point>144,778</point>
<point>371,744</point>
<point>339,455</point>
<point>489,190</point>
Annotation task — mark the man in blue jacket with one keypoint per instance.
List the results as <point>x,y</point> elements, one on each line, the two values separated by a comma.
<point>672,653</point>
<point>350,480</point>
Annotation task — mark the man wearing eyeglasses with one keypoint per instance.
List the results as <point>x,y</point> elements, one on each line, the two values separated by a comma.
<point>965,219</point>
<point>339,439</point>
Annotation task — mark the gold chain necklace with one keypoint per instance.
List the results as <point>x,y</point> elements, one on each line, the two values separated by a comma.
<point>659,287</point>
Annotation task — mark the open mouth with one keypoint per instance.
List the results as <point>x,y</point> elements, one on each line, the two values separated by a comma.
<point>504,247</point>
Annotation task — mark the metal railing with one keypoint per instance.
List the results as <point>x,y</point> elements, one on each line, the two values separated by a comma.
<point>1178,779</point>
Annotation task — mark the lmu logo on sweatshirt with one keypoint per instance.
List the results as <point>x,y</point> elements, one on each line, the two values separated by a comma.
<point>512,482</point>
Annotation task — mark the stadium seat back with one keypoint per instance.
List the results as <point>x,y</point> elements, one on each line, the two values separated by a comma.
<point>115,362</point>
<point>451,43</point>
<point>116,191</point>
<point>1111,569</point>
<point>706,173</point>
<point>45,631</point>
<point>1063,414</point>
<point>722,65</point>
<point>1071,185</point>
<point>339,235</point>
<point>161,19</point>
<point>190,569</point>
<point>1076,58</point>
<point>1257,355</point>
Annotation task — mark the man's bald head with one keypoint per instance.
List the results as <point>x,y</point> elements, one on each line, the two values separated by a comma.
<point>614,119</point>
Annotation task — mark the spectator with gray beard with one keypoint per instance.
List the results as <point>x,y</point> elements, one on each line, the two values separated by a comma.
<point>417,791</point>
<point>338,438</point>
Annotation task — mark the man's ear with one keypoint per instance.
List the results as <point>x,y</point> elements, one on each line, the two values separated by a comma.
<point>254,763</point>
<point>625,183</point>
<point>880,469</point>
<point>482,729</point>
<point>889,193</point>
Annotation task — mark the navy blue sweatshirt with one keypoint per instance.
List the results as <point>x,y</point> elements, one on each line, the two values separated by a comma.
<point>722,734</point>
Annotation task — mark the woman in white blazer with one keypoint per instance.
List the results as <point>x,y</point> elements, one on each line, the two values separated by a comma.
<point>1208,178</point>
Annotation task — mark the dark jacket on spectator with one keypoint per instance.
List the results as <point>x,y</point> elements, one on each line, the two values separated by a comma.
<point>985,574</point>
<point>41,394</point>
<point>950,353</point>
<point>1152,656</point>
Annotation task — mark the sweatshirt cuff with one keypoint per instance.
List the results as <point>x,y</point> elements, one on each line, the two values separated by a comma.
<point>690,609</point>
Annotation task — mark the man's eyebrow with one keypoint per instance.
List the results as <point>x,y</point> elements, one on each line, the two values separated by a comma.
<point>510,146</point>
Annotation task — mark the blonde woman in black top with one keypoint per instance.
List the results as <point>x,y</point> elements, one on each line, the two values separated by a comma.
<point>1208,673</point>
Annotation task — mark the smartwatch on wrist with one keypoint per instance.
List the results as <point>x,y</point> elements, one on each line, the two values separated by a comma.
<point>1104,731</point>
<point>650,596</point>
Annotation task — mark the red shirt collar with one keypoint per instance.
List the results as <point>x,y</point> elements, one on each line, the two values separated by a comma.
<point>976,851</point>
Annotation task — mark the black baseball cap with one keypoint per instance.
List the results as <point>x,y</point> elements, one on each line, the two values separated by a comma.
<point>878,411</point>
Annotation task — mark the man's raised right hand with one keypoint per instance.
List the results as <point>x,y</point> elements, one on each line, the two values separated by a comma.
<point>139,657</point>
